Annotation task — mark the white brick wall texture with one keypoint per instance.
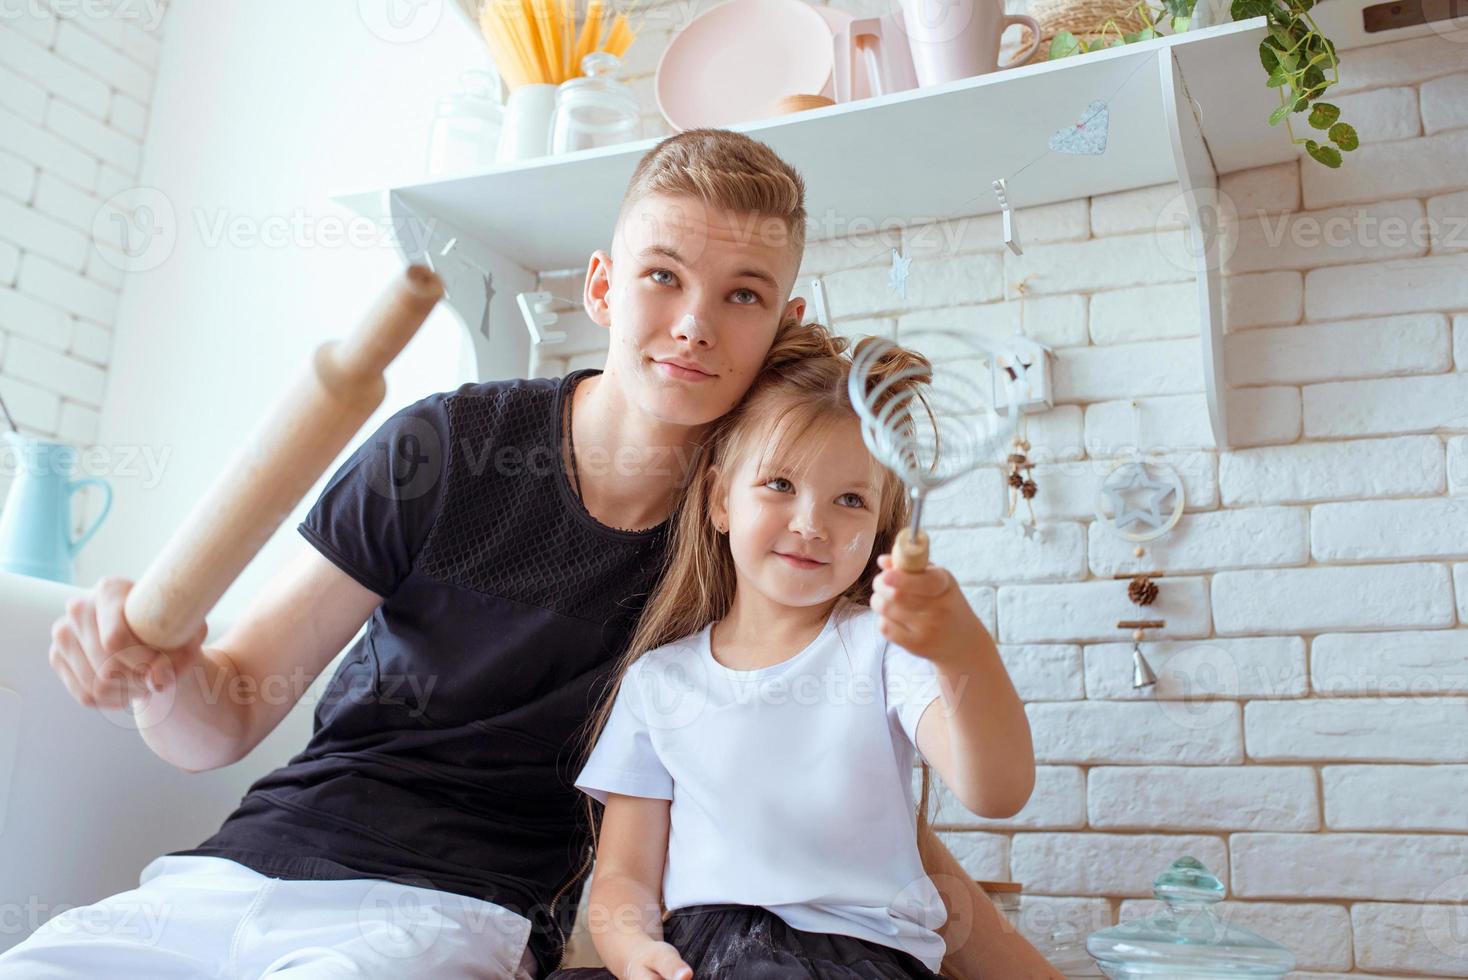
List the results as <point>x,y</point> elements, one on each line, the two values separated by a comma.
<point>74,94</point>
<point>1308,735</point>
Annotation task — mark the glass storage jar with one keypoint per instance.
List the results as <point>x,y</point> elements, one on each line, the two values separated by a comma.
<point>595,109</point>
<point>1187,940</point>
<point>465,133</point>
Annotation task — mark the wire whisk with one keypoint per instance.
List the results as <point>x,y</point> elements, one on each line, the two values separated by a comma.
<point>928,424</point>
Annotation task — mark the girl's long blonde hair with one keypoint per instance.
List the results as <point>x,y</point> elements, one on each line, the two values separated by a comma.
<point>799,395</point>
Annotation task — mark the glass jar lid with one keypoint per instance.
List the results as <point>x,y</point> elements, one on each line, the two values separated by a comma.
<point>478,96</point>
<point>1187,938</point>
<point>598,84</point>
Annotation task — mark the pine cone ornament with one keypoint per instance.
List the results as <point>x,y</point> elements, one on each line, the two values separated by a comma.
<point>1142,591</point>
<point>1029,488</point>
<point>1016,481</point>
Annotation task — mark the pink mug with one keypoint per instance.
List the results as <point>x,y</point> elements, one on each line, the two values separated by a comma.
<point>953,39</point>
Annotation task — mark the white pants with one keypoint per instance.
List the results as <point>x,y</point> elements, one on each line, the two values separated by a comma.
<point>194,916</point>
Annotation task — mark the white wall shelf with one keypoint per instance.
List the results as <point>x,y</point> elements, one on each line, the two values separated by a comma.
<point>1183,108</point>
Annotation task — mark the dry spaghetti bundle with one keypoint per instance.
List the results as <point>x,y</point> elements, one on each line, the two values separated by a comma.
<point>537,41</point>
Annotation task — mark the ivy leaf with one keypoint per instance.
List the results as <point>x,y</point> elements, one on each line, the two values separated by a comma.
<point>1324,115</point>
<point>1327,155</point>
<point>1344,136</point>
<point>1276,79</point>
<point>1278,114</point>
<point>1245,9</point>
<point>1288,60</point>
<point>1269,54</point>
<point>1148,33</point>
<point>1179,8</point>
<point>1064,44</point>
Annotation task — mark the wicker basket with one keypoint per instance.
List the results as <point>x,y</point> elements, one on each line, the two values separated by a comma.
<point>1083,18</point>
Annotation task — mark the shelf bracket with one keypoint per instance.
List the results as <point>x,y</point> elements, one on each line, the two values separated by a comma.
<point>1198,180</point>
<point>480,286</point>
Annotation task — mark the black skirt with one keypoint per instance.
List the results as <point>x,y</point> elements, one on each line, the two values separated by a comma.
<point>747,942</point>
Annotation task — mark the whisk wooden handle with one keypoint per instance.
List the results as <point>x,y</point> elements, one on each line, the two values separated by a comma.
<point>910,551</point>
<point>272,471</point>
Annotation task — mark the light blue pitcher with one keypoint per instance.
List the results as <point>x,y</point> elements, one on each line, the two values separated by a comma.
<point>35,525</point>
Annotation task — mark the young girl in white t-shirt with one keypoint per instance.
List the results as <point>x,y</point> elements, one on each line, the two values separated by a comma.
<point>756,761</point>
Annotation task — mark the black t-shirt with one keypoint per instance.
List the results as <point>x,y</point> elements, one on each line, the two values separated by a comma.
<point>445,745</point>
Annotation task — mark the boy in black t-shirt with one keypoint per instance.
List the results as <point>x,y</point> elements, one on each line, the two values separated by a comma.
<point>496,595</point>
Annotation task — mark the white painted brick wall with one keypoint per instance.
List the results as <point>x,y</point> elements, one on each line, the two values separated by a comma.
<point>1263,189</point>
<point>1326,597</point>
<point>1093,732</point>
<point>1358,730</point>
<point>1426,798</point>
<point>1419,167</point>
<point>1388,937</point>
<point>1419,343</point>
<point>73,111</point>
<point>983,856</point>
<point>1445,103</point>
<point>1386,406</point>
<point>1332,236</point>
<point>1394,867</point>
<point>1376,529</point>
<point>1394,467</point>
<point>1447,222</point>
<point>1265,299</point>
<point>1183,798</point>
<point>1383,114</point>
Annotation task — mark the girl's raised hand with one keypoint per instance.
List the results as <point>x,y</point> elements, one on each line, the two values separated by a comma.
<point>657,961</point>
<point>925,612</point>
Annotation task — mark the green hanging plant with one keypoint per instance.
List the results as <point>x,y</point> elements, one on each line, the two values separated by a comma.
<point>1296,57</point>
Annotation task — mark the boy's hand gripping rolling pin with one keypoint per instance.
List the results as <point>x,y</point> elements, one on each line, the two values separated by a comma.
<point>283,457</point>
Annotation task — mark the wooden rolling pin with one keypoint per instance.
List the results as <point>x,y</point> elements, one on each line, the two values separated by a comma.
<point>282,459</point>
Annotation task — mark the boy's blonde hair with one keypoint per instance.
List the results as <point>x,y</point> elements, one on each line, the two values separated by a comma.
<point>727,171</point>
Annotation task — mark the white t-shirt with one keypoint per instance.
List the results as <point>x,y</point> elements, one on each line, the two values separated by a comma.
<point>791,785</point>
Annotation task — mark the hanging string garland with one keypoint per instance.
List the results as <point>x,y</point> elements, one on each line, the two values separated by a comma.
<point>1141,589</point>
<point>1021,481</point>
